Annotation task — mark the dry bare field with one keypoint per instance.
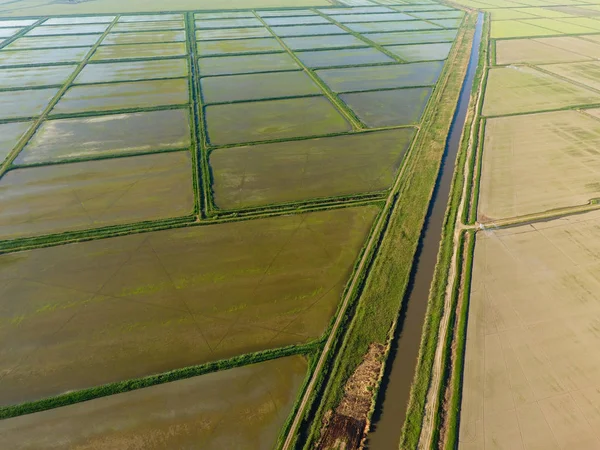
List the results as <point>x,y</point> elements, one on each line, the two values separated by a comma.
<point>532,366</point>
<point>539,162</point>
<point>531,51</point>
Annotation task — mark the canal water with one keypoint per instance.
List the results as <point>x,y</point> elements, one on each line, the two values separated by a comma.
<point>390,411</point>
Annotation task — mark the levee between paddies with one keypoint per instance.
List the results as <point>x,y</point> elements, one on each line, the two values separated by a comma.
<point>532,366</point>
<point>86,314</point>
<point>65,197</point>
<point>539,162</point>
<point>241,408</point>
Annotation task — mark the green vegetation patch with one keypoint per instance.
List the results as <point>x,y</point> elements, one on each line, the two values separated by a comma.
<point>273,119</point>
<point>318,42</point>
<point>386,17</point>
<point>35,57</point>
<point>413,37</point>
<point>35,76</point>
<point>149,26</point>
<point>141,304</point>
<point>139,51</point>
<point>231,65</point>
<point>231,33</point>
<point>245,407</point>
<point>70,40</point>
<point>562,26</point>
<point>266,45</point>
<point>60,30</point>
<point>421,52</point>
<point>144,37</point>
<point>26,103</point>
<point>228,23</point>
<point>382,77</point>
<point>522,89</point>
<point>300,170</point>
<point>343,57</point>
<point>279,21</point>
<point>132,71</point>
<point>512,29</point>
<point>79,196</point>
<point>257,86</point>
<point>379,27</point>
<point>10,134</point>
<point>390,107</point>
<point>85,137</point>
<point>78,20</point>
<point>119,96</point>
<point>308,30</point>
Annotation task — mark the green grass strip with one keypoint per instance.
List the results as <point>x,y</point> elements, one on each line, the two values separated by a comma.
<point>153,380</point>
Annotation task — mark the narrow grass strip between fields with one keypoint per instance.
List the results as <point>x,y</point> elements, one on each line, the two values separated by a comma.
<point>78,396</point>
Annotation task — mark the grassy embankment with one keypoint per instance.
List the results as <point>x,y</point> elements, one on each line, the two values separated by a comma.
<point>421,384</point>
<point>383,291</point>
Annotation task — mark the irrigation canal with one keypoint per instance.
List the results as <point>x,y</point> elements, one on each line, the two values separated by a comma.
<point>390,410</point>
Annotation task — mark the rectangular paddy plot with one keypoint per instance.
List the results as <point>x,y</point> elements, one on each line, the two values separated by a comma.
<point>65,197</point>
<point>318,42</point>
<point>281,21</point>
<point>35,57</point>
<point>118,96</point>
<point>421,52</point>
<point>512,51</point>
<point>116,134</point>
<point>35,76</point>
<point>132,71</point>
<point>273,119</point>
<point>27,103</point>
<point>230,88</point>
<point>308,30</point>
<point>532,366</point>
<point>67,29</point>
<point>145,37</point>
<point>10,134</point>
<point>148,26</point>
<point>8,32</point>
<point>235,46</point>
<point>381,77</point>
<point>355,18</point>
<point>539,162</point>
<point>520,89</point>
<point>231,33</point>
<point>78,20</point>
<point>150,18</point>
<point>141,304</point>
<point>27,43</point>
<point>228,23</point>
<point>379,27</point>
<point>412,37</point>
<point>242,408</point>
<point>343,57</point>
<point>390,107</point>
<point>300,170</point>
<point>586,73</point>
<point>573,44</point>
<point>139,51</point>
<point>231,65</point>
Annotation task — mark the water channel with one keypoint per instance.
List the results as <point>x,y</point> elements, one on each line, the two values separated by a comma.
<point>390,411</point>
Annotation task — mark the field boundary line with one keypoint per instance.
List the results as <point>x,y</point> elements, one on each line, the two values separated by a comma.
<point>22,32</point>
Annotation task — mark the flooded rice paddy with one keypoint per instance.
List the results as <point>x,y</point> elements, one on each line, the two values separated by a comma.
<point>133,71</point>
<point>113,309</point>
<point>116,149</point>
<point>273,119</point>
<point>66,197</point>
<point>61,139</point>
<point>117,96</point>
<point>242,408</point>
<point>291,171</point>
<point>225,89</point>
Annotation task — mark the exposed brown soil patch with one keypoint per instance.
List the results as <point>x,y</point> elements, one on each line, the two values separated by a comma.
<point>344,429</point>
